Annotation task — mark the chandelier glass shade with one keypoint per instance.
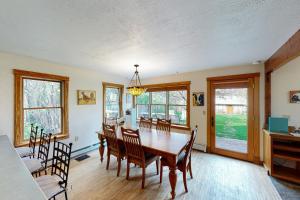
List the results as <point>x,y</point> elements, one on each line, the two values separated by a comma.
<point>135,87</point>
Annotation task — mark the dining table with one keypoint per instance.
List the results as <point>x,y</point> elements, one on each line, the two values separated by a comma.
<point>165,144</point>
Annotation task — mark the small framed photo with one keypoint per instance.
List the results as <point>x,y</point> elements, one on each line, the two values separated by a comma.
<point>86,97</point>
<point>198,98</point>
<point>295,96</point>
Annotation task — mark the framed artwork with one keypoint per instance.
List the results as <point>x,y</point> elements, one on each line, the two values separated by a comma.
<point>198,98</point>
<point>295,96</point>
<point>86,97</point>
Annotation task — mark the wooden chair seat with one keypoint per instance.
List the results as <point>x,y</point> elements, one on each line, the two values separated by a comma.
<point>34,165</point>
<point>50,185</point>
<point>150,158</point>
<point>180,161</point>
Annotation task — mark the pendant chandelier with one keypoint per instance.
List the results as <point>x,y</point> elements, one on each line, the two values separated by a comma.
<point>135,87</point>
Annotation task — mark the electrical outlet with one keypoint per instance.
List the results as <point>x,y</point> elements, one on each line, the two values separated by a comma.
<point>76,138</point>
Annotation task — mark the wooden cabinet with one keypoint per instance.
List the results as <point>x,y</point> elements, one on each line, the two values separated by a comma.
<point>282,156</point>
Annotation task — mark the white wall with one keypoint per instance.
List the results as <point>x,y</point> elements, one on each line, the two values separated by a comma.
<point>199,84</point>
<point>284,80</point>
<point>83,120</point>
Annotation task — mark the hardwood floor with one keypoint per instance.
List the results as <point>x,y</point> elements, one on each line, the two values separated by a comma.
<point>215,177</point>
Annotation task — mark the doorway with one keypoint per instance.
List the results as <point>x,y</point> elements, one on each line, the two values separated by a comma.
<point>233,116</point>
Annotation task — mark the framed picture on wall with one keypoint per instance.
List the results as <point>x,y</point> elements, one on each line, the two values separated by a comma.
<point>198,98</point>
<point>86,97</point>
<point>295,96</point>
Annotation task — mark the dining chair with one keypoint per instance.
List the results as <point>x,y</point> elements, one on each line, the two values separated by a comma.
<point>145,123</point>
<point>184,162</point>
<point>56,183</point>
<point>135,153</point>
<point>114,147</point>
<point>29,151</point>
<point>39,164</point>
<point>163,125</point>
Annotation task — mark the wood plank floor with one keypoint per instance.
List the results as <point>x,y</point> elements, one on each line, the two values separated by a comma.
<point>215,177</point>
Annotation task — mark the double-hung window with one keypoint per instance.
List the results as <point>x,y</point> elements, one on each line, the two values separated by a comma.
<point>112,100</point>
<point>40,99</point>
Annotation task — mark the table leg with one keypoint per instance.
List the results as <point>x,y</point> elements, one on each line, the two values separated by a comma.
<point>173,176</point>
<point>101,148</point>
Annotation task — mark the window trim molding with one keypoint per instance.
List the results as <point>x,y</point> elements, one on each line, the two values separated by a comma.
<point>112,85</point>
<point>19,75</point>
<point>183,85</point>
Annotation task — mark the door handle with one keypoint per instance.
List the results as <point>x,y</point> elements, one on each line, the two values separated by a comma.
<point>212,121</point>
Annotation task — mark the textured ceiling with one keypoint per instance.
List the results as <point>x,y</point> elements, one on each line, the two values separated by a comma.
<point>163,36</point>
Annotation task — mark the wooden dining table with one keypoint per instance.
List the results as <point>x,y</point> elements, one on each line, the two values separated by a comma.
<point>168,145</point>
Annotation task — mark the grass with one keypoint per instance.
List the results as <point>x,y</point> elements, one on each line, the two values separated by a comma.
<point>232,126</point>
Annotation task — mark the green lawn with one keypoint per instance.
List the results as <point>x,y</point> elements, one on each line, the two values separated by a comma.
<point>231,126</point>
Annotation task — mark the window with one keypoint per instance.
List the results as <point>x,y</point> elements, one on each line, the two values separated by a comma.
<point>40,99</point>
<point>166,101</point>
<point>112,100</point>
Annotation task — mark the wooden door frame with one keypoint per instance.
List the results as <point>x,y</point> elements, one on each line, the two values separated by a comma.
<point>253,151</point>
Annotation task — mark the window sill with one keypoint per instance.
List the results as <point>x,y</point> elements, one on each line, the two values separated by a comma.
<point>175,126</point>
<point>58,136</point>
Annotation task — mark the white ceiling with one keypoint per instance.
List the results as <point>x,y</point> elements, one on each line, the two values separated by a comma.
<point>163,36</point>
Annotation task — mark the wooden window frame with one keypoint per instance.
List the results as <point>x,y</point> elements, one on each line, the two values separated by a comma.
<point>184,85</point>
<point>113,85</point>
<point>19,76</point>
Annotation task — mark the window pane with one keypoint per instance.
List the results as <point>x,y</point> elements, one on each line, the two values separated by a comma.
<point>178,97</point>
<point>143,98</point>
<point>142,111</point>
<point>158,111</point>
<point>159,97</point>
<point>38,93</point>
<point>112,99</point>
<point>48,119</point>
<point>177,114</point>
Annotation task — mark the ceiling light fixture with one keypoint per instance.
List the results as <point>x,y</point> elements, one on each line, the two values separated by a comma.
<point>135,87</point>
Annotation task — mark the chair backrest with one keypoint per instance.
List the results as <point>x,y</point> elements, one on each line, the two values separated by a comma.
<point>163,125</point>
<point>145,123</point>
<point>61,161</point>
<point>111,137</point>
<point>189,146</point>
<point>32,138</point>
<point>44,147</point>
<point>133,145</point>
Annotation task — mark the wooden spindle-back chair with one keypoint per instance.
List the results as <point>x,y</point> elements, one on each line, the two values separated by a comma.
<point>163,125</point>
<point>114,147</point>
<point>135,152</point>
<point>184,163</point>
<point>145,123</point>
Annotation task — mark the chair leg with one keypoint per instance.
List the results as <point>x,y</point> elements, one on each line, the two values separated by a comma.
<point>66,195</point>
<point>128,169</point>
<point>157,163</point>
<point>184,181</point>
<point>190,169</point>
<point>161,173</point>
<point>119,166</point>
<point>108,160</point>
<point>143,177</point>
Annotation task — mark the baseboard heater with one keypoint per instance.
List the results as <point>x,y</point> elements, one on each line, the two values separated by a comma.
<point>200,147</point>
